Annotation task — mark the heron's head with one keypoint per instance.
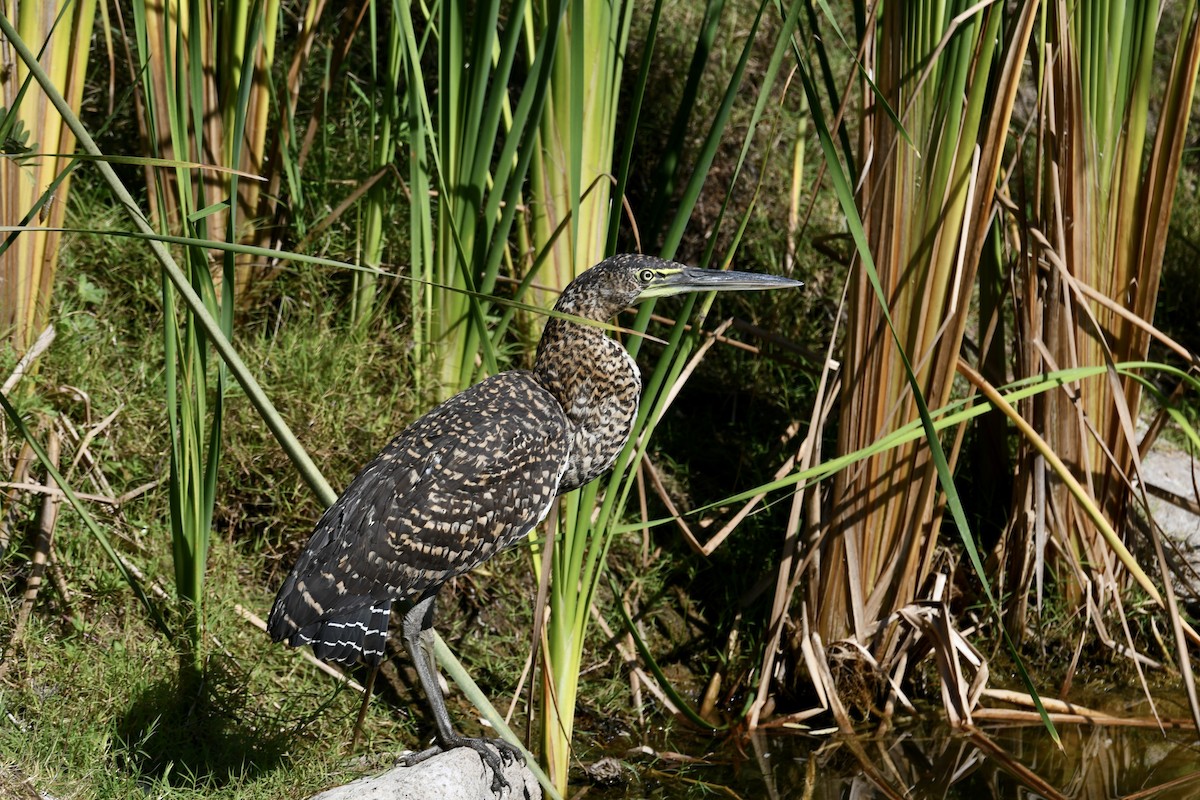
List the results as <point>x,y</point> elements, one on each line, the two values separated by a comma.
<point>622,280</point>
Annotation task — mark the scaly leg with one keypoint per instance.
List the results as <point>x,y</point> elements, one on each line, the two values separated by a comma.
<point>417,633</point>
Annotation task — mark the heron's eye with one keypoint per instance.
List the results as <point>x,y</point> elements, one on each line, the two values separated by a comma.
<point>646,275</point>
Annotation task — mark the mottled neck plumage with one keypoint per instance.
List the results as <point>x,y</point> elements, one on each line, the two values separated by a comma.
<point>593,378</point>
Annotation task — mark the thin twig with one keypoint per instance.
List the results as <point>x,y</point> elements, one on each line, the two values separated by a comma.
<point>39,346</point>
<point>51,490</point>
<point>672,509</point>
<point>630,661</point>
<point>25,457</point>
<point>1093,718</point>
<point>1188,504</point>
<point>83,451</point>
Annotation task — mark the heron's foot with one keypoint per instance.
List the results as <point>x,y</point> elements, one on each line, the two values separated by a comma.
<point>495,753</point>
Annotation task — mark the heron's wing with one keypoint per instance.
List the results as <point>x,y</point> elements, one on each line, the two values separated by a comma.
<point>459,485</point>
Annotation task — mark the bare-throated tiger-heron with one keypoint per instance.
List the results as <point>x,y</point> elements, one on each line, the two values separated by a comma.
<point>473,477</point>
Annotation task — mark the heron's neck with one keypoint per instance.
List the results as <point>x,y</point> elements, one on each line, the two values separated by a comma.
<point>599,387</point>
<point>574,359</point>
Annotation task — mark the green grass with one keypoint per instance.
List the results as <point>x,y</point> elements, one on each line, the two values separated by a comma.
<point>89,678</point>
<point>93,709</point>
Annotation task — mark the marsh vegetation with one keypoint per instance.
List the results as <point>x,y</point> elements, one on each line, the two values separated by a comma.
<point>862,533</point>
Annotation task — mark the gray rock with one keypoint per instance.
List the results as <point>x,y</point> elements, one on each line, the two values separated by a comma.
<point>1174,470</point>
<point>1168,468</point>
<point>457,774</point>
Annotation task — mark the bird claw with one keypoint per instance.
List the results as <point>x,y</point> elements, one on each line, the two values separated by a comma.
<point>509,753</point>
<point>495,753</point>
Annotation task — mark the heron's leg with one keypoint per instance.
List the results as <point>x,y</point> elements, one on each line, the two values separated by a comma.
<point>417,633</point>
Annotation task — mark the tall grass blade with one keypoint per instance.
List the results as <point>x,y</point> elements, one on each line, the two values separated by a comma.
<point>569,180</point>
<point>384,122</point>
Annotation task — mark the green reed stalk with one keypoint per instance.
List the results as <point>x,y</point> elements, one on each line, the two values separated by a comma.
<point>179,53</point>
<point>34,178</point>
<point>570,183</point>
<point>590,516</point>
<point>384,118</point>
<point>1104,209</point>
<point>474,153</point>
<point>1104,203</point>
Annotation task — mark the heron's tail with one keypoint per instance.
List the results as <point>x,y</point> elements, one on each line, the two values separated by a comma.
<point>355,634</point>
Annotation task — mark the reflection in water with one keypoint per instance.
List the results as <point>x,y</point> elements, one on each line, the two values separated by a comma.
<point>927,760</point>
<point>996,762</point>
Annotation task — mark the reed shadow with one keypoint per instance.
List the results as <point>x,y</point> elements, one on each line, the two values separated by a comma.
<point>198,730</point>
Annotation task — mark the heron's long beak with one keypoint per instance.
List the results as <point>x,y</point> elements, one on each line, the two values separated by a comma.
<point>677,280</point>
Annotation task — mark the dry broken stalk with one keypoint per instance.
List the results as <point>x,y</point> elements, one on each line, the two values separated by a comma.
<point>43,540</point>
